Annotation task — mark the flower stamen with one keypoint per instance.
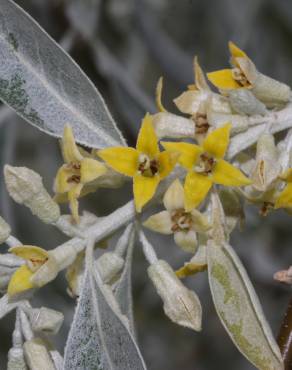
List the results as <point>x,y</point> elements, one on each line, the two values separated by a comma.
<point>181,219</point>
<point>201,123</point>
<point>239,76</point>
<point>205,164</point>
<point>147,167</point>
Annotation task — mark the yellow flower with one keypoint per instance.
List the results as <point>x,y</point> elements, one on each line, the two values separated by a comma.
<point>35,257</point>
<point>206,166</point>
<point>146,164</point>
<point>79,169</point>
<point>232,78</point>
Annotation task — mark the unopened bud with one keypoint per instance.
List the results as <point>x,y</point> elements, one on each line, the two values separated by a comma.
<point>238,123</point>
<point>37,355</point>
<point>180,304</point>
<point>45,320</point>
<point>16,359</point>
<point>4,230</point>
<point>266,169</point>
<point>243,101</point>
<point>26,187</point>
<point>110,266</point>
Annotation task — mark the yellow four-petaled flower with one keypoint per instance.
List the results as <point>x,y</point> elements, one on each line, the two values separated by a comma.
<point>79,169</point>
<point>146,164</point>
<point>205,165</point>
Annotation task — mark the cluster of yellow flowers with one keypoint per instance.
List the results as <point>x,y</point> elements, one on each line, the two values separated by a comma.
<point>148,165</point>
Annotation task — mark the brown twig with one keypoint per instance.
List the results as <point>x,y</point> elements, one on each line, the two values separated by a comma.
<point>285,338</point>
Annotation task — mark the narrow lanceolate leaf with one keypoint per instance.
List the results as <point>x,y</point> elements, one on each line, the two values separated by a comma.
<point>239,309</point>
<point>99,337</point>
<point>123,290</point>
<point>45,86</point>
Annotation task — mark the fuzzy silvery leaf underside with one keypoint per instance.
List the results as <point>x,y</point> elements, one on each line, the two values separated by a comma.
<point>99,337</point>
<point>45,86</point>
<point>239,309</point>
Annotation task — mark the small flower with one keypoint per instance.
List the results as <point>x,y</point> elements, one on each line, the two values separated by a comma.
<point>176,220</point>
<point>21,280</point>
<point>146,164</point>
<point>206,166</point>
<point>244,75</point>
<point>79,170</point>
<point>232,78</point>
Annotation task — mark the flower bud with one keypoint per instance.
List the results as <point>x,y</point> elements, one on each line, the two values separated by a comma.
<point>45,320</point>
<point>16,359</point>
<point>271,92</point>
<point>110,266</point>
<point>180,304</point>
<point>243,101</point>
<point>4,230</point>
<point>26,187</point>
<point>266,169</point>
<point>37,355</point>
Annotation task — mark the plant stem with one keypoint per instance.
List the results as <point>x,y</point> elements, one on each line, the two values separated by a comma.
<point>285,338</point>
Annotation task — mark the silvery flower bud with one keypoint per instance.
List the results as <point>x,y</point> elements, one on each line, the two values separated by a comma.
<point>180,304</point>
<point>16,359</point>
<point>4,230</point>
<point>243,101</point>
<point>37,355</point>
<point>26,187</point>
<point>271,92</point>
<point>110,266</point>
<point>267,168</point>
<point>45,320</point>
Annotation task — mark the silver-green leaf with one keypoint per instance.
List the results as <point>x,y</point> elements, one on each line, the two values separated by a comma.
<point>41,82</point>
<point>238,307</point>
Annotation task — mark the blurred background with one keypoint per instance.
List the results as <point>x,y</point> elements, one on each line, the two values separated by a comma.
<point>124,46</point>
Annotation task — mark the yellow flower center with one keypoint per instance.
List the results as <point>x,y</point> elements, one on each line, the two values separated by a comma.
<point>201,123</point>
<point>239,76</point>
<point>146,166</point>
<point>181,219</point>
<point>74,168</point>
<point>205,164</point>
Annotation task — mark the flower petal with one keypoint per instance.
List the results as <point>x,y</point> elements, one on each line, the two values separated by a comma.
<point>174,196</point>
<point>144,189</point>
<point>147,141</point>
<point>123,160</point>
<point>91,169</point>
<point>225,173</point>
<point>73,196</point>
<point>30,252</point>
<point>284,200</point>
<point>223,79</point>
<point>20,281</point>
<point>160,222</point>
<point>196,188</point>
<point>217,141</point>
<point>186,240</point>
<point>188,152</point>
<point>167,160</point>
<point>200,221</point>
<point>61,184</point>
<point>235,53</point>
<point>69,148</point>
